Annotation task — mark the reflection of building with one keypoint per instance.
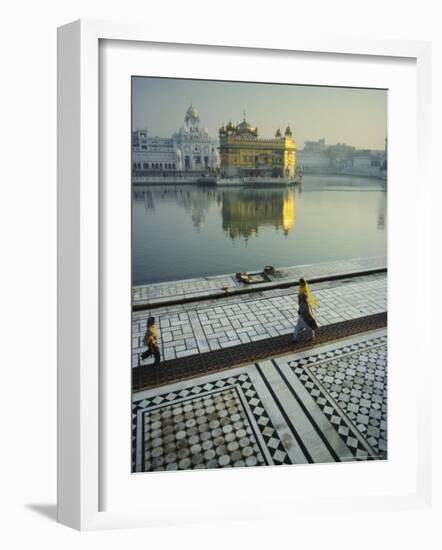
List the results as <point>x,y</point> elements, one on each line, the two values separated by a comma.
<point>197,149</point>
<point>382,211</point>
<point>196,202</point>
<point>288,212</point>
<point>191,149</point>
<point>243,153</point>
<point>245,211</point>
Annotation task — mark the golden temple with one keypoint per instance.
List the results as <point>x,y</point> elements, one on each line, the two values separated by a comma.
<point>243,153</point>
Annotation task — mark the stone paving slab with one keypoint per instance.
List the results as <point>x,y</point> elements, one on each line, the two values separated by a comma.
<point>144,296</point>
<point>327,404</point>
<point>188,366</point>
<point>201,327</point>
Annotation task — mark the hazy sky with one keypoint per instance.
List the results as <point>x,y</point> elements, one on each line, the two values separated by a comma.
<point>347,115</point>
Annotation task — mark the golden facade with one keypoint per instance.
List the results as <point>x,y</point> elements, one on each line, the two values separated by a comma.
<point>243,153</point>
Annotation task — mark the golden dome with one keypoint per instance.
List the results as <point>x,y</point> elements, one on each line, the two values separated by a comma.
<point>245,128</point>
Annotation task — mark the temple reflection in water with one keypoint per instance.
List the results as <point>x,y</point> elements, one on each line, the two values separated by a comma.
<point>196,201</point>
<point>185,231</point>
<point>243,211</point>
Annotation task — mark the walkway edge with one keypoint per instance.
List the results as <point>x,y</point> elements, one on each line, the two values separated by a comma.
<point>154,304</point>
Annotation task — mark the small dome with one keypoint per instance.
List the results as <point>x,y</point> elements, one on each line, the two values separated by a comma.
<point>192,114</point>
<point>288,131</point>
<point>245,127</point>
<point>191,111</point>
<point>278,133</point>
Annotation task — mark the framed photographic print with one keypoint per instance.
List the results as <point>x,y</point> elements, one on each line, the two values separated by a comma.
<point>234,226</point>
<point>237,362</point>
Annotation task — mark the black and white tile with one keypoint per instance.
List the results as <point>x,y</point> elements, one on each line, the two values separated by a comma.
<point>349,384</point>
<point>211,425</point>
<point>321,405</point>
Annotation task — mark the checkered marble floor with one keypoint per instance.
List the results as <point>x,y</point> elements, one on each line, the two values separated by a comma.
<point>349,384</point>
<point>199,327</point>
<point>325,405</point>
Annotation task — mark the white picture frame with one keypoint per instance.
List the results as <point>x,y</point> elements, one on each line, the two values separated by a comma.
<point>80,362</point>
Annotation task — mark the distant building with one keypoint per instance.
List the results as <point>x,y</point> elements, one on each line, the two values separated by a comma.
<point>366,163</point>
<point>154,155</point>
<point>319,158</point>
<point>313,158</point>
<point>191,149</point>
<point>315,146</point>
<point>139,140</point>
<point>198,150</point>
<point>243,153</point>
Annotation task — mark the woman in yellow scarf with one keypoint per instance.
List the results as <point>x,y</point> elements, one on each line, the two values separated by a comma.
<point>306,321</point>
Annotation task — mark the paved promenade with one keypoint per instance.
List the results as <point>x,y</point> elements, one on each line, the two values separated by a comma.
<point>327,404</point>
<point>205,287</point>
<point>203,326</point>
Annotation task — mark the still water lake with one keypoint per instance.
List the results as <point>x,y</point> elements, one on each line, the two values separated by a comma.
<point>179,232</point>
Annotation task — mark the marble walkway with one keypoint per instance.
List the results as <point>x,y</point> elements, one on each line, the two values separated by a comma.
<point>200,327</point>
<point>204,287</point>
<point>327,404</point>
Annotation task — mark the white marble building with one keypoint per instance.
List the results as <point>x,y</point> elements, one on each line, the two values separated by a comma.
<point>198,150</point>
<point>191,149</point>
<point>154,155</point>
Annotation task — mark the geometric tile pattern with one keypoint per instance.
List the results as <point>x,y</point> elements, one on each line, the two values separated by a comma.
<point>199,327</point>
<point>185,287</point>
<point>210,431</point>
<point>349,384</point>
<point>212,425</point>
